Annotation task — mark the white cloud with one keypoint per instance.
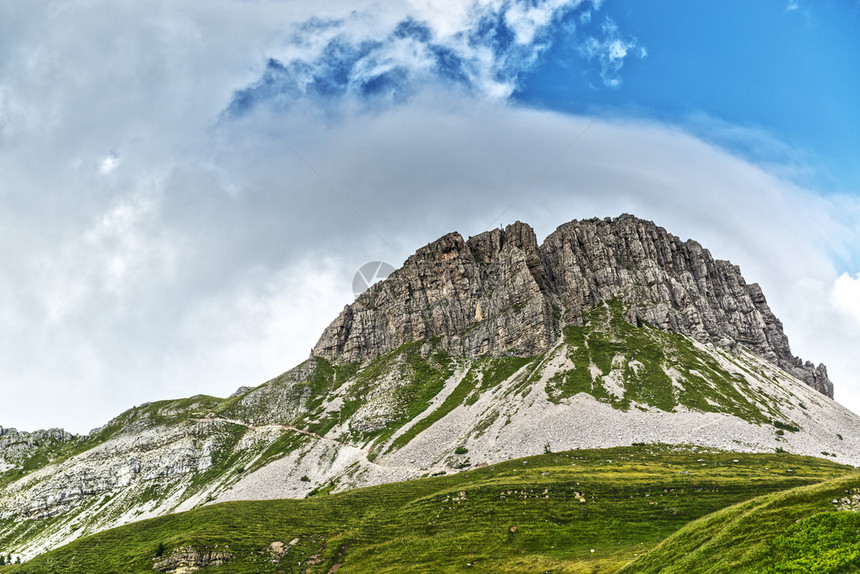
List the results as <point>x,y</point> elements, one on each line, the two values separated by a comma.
<point>846,295</point>
<point>108,259</point>
<point>617,50</point>
<point>223,269</point>
<point>527,20</point>
<point>610,52</point>
<point>211,257</point>
<point>109,164</point>
<point>482,46</point>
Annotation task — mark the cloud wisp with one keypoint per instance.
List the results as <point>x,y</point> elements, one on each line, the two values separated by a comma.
<point>482,48</point>
<point>610,51</point>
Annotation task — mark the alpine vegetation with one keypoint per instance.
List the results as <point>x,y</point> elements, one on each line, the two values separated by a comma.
<point>611,334</point>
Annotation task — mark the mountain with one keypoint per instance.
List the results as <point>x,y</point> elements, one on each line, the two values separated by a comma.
<point>500,293</point>
<point>610,333</point>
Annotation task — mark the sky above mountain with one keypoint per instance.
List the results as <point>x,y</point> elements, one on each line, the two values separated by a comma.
<point>188,188</point>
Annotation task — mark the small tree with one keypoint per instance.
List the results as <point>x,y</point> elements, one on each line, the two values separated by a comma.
<point>2,560</point>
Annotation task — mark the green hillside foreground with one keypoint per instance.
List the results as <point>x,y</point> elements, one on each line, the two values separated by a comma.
<point>808,530</point>
<point>579,511</point>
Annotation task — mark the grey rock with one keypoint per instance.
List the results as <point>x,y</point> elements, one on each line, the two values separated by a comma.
<point>241,391</point>
<point>503,294</point>
<point>481,296</point>
<point>190,559</point>
<point>18,446</point>
<point>673,284</point>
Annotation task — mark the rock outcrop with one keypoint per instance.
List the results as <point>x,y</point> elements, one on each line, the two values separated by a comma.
<point>481,296</point>
<point>190,559</point>
<point>17,447</point>
<point>500,293</point>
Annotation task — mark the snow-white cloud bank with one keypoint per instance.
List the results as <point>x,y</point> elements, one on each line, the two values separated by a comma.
<point>158,240</point>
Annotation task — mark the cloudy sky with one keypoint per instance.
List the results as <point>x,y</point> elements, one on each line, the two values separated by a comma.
<point>187,188</point>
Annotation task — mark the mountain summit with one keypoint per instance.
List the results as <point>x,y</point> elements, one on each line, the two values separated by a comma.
<point>612,333</point>
<point>500,293</point>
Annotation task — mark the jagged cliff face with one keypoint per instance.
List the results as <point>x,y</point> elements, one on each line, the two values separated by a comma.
<point>480,296</point>
<point>500,293</point>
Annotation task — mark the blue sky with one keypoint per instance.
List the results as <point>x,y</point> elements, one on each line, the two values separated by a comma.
<point>189,188</point>
<point>787,69</point>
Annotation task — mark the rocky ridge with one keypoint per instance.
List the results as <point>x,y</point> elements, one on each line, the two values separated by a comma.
<point>475,352</point>
<point>500,293</point>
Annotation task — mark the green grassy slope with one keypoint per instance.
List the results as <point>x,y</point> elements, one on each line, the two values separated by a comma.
<point>383,406</point>
<point>809,530</point>
<point>230,447</point>
<point>646,359</point>
<point>579,511</point>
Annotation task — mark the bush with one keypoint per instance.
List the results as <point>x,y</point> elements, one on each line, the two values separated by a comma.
<point>461,450</point>
<point>785,426</point>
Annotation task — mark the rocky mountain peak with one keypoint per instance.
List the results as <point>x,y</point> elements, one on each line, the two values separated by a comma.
<point>502,293</point>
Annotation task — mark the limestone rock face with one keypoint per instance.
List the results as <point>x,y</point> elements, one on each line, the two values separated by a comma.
<point>672,284</point>
<point>16,447</point>
<point>501,293</point>
<point>484,295</point>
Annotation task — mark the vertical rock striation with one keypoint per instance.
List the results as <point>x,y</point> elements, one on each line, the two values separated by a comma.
<point>672,284</point>
<point>501,293</point>
<point>484,295</point>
